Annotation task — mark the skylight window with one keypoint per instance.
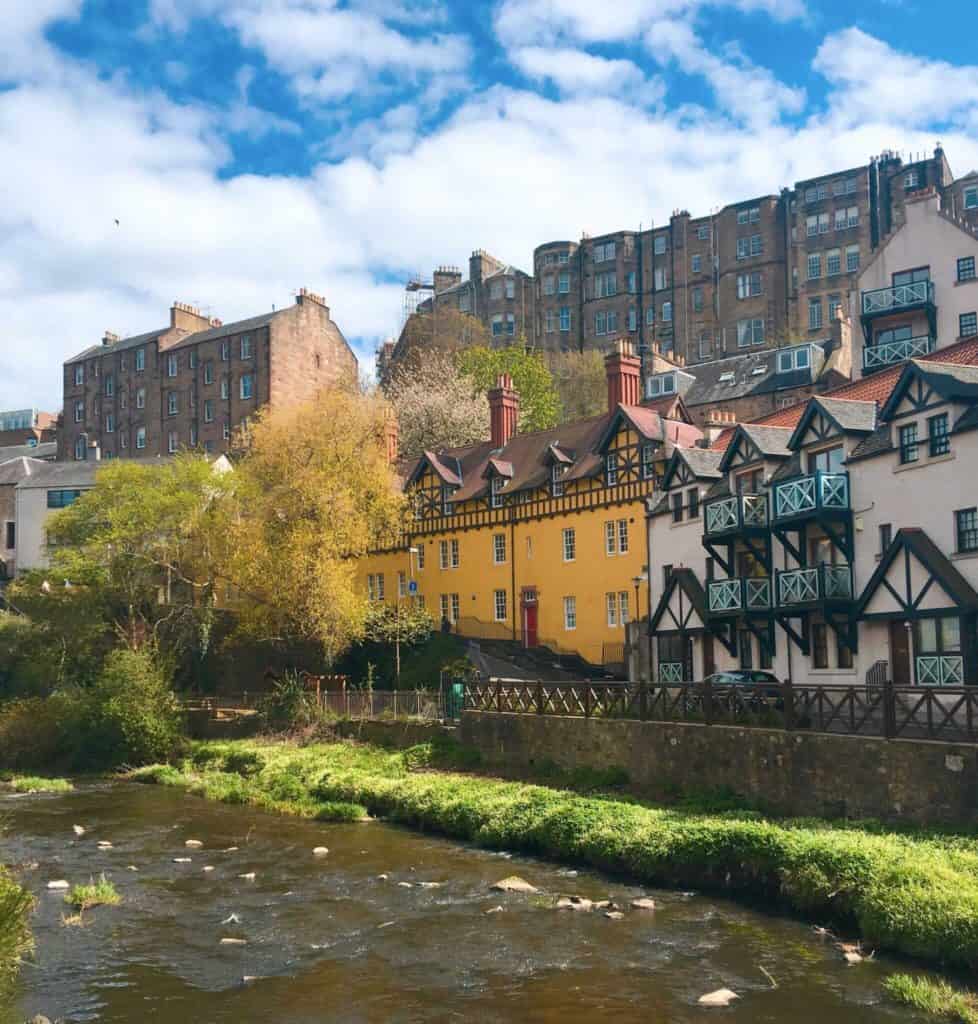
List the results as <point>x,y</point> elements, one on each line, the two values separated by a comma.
<point>794,359</point>
<point>758,370</point>
<point>727,378</point>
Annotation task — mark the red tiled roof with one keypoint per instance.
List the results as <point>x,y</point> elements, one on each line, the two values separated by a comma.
<point>875,388</point>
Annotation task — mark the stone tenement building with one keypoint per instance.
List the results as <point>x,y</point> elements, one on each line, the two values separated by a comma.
<point>755,275</point>
<point>498,295</point>
<point>189,384</point>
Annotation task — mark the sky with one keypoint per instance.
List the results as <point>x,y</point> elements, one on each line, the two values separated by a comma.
<point>248,148</point>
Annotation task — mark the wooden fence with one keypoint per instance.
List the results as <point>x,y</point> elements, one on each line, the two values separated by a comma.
<point>942,713</point>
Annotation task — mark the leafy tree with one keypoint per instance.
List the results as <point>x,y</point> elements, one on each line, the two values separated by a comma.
<point>312,493</point>
<point>539,401</point>
<point>436,406</point>
<point>399,624</point>
<point>581,383</point>
<point>130,558</point>
<point>444,330</point>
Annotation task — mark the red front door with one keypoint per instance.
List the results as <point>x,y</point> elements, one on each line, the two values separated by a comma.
<point>529,611</point>
<point>900,654</point>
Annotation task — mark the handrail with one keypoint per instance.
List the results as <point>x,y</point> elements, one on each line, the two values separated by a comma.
<point>885,300</point>
<point>889,352</point>
<point>884,711</point>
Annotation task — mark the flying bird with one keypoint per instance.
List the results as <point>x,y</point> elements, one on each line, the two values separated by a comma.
<point>117,222</point>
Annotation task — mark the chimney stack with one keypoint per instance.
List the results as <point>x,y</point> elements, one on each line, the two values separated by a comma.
<point>108,338</point>
<point>624,372</point>
<point>504,411</point>
<point>188,318</point>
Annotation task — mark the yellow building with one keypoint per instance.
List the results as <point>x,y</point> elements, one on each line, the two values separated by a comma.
<point>538,538</point>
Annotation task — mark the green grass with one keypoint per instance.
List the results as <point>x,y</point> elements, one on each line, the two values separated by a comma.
<point>96,894</point>
<point>16,904</point>
<point>914,894</point>
<point>38,784</point>
<point>937,998</point>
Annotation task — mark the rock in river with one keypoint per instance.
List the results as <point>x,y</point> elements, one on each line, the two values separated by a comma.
<point>643,904</point>
<point>513,884</point>
<point>721,997</point>
<point>194,844</point>
<point>320,851</point>
<point>574,903</point>
<point>59,884</point>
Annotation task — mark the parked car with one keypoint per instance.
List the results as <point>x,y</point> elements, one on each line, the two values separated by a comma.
<point>740,690</point>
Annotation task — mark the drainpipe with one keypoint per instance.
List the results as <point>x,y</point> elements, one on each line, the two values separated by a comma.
<point>648,585</point>
<point>512,566</point>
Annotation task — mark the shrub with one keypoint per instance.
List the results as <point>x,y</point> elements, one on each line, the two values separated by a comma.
<point>243,762</point>
<point>38,733</point>
<point>338,810</point>
<point>16,904</point>
<point>39,784</point>
<point>134,715</point>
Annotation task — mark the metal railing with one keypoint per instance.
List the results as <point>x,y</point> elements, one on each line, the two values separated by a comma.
<point>364,704</point>
<point>890,352</point>
<point>738,594</point>
<point>903,296</point>
<point>807,495</point>
<point>822,582</point>
<point>739,511</point>
<point>942,713</point>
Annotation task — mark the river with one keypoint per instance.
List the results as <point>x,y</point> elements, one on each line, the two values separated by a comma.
<point>328,940</point>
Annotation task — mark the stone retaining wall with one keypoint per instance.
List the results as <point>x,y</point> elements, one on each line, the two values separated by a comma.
<point>909,781</point>
<point>395,734</point>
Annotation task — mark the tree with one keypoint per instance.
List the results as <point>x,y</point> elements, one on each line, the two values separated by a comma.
<point>313,492</point>
<point>539,402</point>
<point>398,624</point>
<point>444,330</point>
<point>581,383</point>
<point>436,406</point>
<point>130,557</point>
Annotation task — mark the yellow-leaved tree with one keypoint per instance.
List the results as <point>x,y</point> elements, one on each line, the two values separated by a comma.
<point>313,492</point>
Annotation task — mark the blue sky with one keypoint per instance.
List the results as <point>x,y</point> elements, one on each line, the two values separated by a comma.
<point>251,147</point>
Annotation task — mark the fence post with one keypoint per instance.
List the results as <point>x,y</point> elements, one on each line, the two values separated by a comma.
<point>499,697</point>
<point>889,710</point>
<point>708,701</point>
<point>539,696</point>
<point>395,703</point>
<point>643,700</point>
<point>788,700</point>
<point>587,700</point>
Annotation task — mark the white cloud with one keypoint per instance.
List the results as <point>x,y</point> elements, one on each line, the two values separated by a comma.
<point>872,80</point>
<point>509,170</point>
<point>576,71</point>
<point>748,92</point>
<point>329,51</point>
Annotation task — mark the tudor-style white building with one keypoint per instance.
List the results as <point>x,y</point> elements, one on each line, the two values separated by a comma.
<point>840,550</point>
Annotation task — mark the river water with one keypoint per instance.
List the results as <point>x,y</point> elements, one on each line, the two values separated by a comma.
<point>327,940</point>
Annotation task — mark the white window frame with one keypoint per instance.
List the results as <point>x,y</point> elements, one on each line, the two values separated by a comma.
<point>622,536</point>
<point>624,615</point>
<point>401,583</point>
<point>140,360</point>
<point>173,442</point>
<point>496,483</point>
<point>815,313</point>
<point>563,283</point>
<point>172,403</point>
<point>443,554</point>
<point>140,438</point>
<point>245,349</point>
<point>852,265</point>
<point>246,392</point>
<point>570,613</point>
<point>225,387</point>
<point>500,608</point>
<point>109,423</point>
<point>454,554</point>
<point>648,461</point>
<point>208,410</point>
<point>814,266</point>
<point>970,197</point>
<point>833,257</point>
<point>79,411</point>
<point>80,449</point>
<point>568,541</point>
<point>610,545</point>
<point>611,469</point>
<point>565,318</point>
<point>556,484</point>
<point>499,549</point>
<point>172,365</point>
<point>611,609</point>
<point>549,285</point>
<point>79,374</point>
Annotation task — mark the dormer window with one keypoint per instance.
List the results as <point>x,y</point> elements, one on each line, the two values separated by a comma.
<point>661,384</point>
<point>446,500</point>
<point>556,484</point>
<point>648,461</point>
<point>496,491</point>
<point>611,469</point>
<point>794,359</point>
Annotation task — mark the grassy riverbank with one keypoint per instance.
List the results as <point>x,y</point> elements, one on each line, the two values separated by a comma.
<point>916,895</point>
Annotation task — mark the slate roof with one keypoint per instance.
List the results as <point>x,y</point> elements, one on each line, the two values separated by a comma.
<point>875,388</point>
<point>878,441</point>
<point>225,330</point>
<point>120,346</point>
<point>853,415</point>
<point>529,456</point>
<point>59,475</point>
<point>755,373</point>
<point>44,451</point>
<point>12,471</point>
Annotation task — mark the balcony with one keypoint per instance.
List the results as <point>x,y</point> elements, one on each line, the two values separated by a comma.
<point>876,357</point>
<point>900,299</point>
<point>738,514</point>
<point>811,497</point>
<point>818,585</point>
<point>739,595</point>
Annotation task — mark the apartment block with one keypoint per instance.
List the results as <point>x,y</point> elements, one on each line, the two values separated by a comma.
<point>191,383</point>
<point>498,295</point>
